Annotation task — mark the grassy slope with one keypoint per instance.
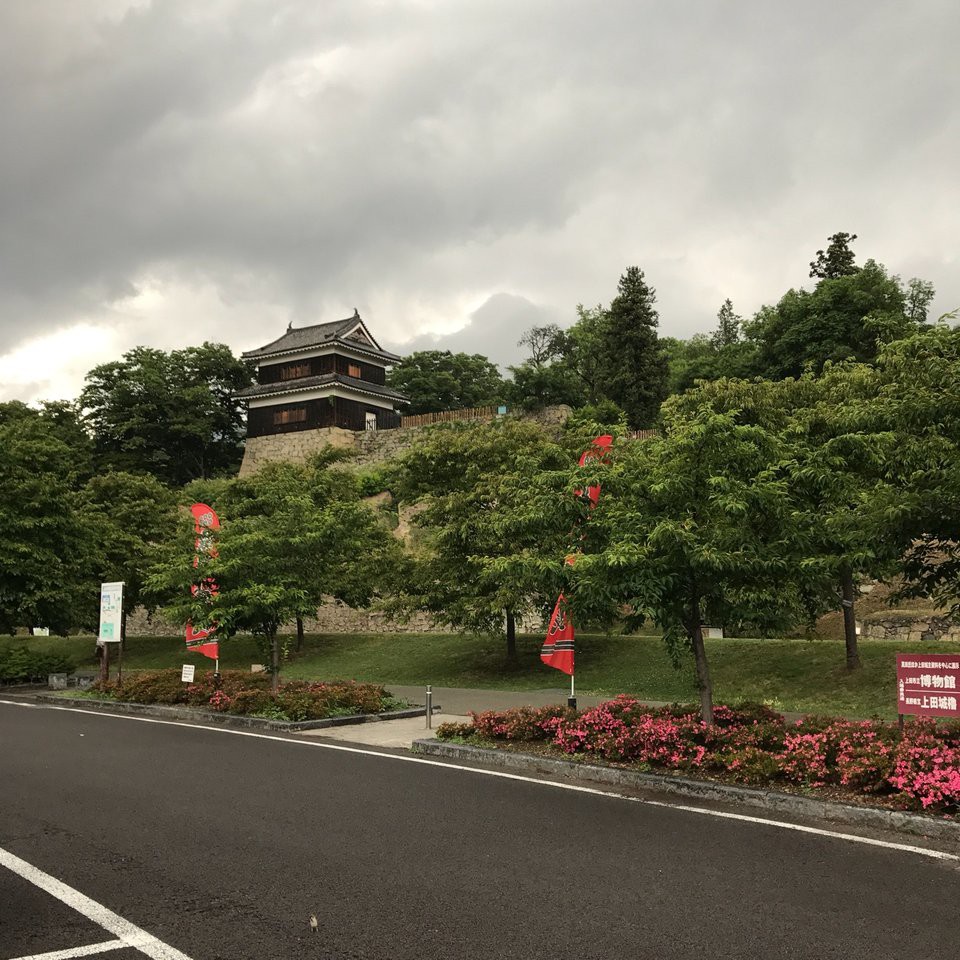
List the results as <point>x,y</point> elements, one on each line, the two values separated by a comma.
<point>790,674</point>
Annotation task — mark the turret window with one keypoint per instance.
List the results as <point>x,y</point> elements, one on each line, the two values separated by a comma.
<point>295,371</point>
<point>291,415</point>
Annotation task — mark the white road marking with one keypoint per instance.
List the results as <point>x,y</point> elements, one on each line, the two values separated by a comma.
<point>88,951</point>
<point>128,934</point>
<point>503,775</point>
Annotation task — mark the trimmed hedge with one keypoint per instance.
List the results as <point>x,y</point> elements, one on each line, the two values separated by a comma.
<point>19,664</point>
<point>244,693</point>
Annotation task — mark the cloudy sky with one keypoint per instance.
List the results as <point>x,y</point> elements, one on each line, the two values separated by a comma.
<point>173,172</point>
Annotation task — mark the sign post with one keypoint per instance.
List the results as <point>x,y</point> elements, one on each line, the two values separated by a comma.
<point>928,685</point>
<point>111,622</point>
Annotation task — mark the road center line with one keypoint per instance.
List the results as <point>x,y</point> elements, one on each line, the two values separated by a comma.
<point>503,775</point>
<point>127,933</point>
<point>88,951</point>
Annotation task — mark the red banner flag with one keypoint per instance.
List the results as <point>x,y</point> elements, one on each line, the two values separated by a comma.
<point>598,450</point>
<point>205,521</point>
<point>557,650</point>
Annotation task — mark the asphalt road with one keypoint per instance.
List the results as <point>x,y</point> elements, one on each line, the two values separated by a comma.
<point>223,846</point>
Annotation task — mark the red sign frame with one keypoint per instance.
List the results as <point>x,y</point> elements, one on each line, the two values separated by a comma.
<point>928,684</point>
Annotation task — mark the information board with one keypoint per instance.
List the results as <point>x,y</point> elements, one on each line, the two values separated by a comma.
<point>187,673</point>
<point>928,684</point>
<point>111,612</point>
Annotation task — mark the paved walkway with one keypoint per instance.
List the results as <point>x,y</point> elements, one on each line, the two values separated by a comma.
<point>461,700</point>
<point>455,702</point>
<point>385,733</point>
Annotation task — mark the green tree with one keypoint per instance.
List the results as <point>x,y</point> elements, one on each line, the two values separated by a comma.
<point>635,367</point>
<point>920,294</point>
<point>835,468</point>
<point>436,380</point>
<point>913,396</point>
<point>490,529</point>
<point>173,415</point>
<point>291,536</point>
<point>837,260</point>
<point>846,317</point>
<point>546,377</point>
<point>699,359</point>
<point>697,527</point>
<point>128,516</point>
<point>729,323</point>
<point>44,564</point>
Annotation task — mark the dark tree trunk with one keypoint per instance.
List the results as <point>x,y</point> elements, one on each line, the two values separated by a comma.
<point>275,663</point>
<point>511,635</point>
<point>847,591</point>
<point>299,634</point>
<point>704,683</point>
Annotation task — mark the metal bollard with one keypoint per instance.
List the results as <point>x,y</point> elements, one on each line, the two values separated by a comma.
<point>429,707</point>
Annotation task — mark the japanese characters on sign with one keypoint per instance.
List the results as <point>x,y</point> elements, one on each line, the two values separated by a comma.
<point>111,612</point>
<point>928,684</point>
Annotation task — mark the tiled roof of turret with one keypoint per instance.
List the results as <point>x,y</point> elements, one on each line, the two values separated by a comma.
<point>324,380</point>
<point>297,339</point>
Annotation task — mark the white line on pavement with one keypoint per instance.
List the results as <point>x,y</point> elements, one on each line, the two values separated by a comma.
<point>88,951</point>
<point>503,775</point>
<point>129,934</point>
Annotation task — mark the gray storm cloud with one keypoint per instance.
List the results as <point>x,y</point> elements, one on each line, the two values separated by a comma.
<point>178,171</point>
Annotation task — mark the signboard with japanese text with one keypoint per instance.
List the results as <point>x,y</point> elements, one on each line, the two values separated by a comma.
<point>187,673</point>
<point>928,684</point>
<point>111,612</point>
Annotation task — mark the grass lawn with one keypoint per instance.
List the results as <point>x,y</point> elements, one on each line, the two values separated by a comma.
<point>793,675</point>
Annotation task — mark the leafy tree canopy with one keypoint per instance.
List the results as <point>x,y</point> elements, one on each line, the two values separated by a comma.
<point>173,415</point>
<point>912,394</point>
<point>837,260</point>
<point>437,380</point>
<point>844,317</point>
<point>291,536</point>
<point>128,516</point>
<point>547,376</point>
<point>44,564</point>
<point>495,515</point>
<point>696,527</point>
<point>633,364</point>
<point>608,354</point>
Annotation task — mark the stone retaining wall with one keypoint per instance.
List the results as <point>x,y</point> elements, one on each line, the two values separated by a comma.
<point>371,446</point>
<point>895,626</point>
<point>332,617</point>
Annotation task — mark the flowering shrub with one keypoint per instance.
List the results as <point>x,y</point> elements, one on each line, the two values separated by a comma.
<point>455,731</point>
<point>220,701</point>
<point>927,767</point>
<point>865,757</point>
<point>749,764</point>
<point>245,693</point>
<point>525,723</point>
<point>750,743</point>
<point>805,758</point>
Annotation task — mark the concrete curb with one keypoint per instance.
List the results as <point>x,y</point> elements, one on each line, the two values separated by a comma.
<point>223,719</point>
<point>912,823</point>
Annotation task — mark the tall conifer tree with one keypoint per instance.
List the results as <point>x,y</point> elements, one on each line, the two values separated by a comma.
<point>635,365</point>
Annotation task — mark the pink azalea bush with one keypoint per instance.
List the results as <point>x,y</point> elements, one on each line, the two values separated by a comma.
<point>244,693</point>
<point>752,744</point>
<point>927,767</point>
